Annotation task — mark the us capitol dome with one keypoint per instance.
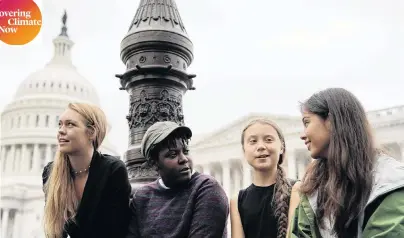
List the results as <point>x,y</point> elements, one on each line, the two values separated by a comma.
<point>28,137</point>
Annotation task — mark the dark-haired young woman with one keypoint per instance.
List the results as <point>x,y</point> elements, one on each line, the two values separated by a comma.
<point>261,210</point>
<point>352,189</point>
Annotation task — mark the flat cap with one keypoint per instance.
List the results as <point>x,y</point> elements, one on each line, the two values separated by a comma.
<point>158,132</point>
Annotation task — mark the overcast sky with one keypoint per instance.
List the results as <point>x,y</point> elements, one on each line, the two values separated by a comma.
<point>250,56</point>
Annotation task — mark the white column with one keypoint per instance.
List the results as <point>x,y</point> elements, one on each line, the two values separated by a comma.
<point>226,176</point>
<point>206,169</point>
<point>301,167</point>
<point>29,157</point>
<point>292,165</point>
<point>226,186</point>
<point>3,157</point>
<point>10,159</point>
<point>17,158</point>
<point>246,173</point>
<point>52,122</point>
<point>4,222</point>
<point>41,121</point>
<point>48,153</point>
<point>23,161</point>
<point>32,118</point>
<point>35,158</point>
<point>236,178</point>
<point>16,224</point>
<point>3,152</point>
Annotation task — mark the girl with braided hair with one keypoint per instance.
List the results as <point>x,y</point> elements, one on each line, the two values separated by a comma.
<point>261,210</point>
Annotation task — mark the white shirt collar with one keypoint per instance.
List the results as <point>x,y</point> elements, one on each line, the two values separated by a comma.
<point>160,181</point>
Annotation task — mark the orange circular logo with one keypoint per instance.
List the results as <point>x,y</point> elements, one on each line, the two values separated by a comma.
<point>20,21</point>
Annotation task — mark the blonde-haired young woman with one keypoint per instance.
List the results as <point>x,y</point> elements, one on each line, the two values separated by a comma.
<point>86,192</point>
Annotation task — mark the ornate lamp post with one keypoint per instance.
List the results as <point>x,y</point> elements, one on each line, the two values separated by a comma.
<point>157,52</point>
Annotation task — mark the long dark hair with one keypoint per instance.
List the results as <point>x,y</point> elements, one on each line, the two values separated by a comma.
<point>281,198</point>
<point>344,179</point>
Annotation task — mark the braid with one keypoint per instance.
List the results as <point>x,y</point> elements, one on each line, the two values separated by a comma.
<point>280,202</point>
<point>281,197</point>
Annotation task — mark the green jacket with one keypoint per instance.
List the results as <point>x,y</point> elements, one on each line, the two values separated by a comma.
<point>387,219</point>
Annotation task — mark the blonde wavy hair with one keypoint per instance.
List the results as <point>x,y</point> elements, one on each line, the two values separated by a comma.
<point>61,201</point>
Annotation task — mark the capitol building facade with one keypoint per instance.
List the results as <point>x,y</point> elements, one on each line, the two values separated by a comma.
<point>28,141</point>
<point>28,138</point>
<point>220,153</point>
